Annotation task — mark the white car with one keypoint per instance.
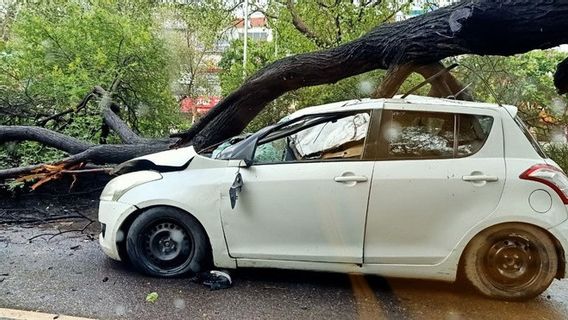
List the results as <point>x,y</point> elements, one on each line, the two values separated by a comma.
<point>413,188</point>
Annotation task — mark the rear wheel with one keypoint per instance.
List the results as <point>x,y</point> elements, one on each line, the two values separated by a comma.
<point>167,242</point>
<point>511,262</point>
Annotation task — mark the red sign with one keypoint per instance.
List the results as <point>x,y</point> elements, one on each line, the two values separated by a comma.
<point>201,104</point>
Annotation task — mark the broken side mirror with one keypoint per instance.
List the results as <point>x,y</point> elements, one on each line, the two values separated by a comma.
<point>236,187</point>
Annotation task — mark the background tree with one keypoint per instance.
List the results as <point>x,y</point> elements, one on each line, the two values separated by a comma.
<point>349,66</point>
<point>57,54</point>
<point>305,26</point>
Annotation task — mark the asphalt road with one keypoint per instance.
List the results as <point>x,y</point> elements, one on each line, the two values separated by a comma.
<point>70,275</point>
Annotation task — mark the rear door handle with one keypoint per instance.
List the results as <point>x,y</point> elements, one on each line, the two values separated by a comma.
<point>480,178</point>
<point>351,179</point>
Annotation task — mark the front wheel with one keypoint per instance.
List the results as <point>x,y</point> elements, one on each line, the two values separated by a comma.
<point>511,262</point>
<point>167,242</point>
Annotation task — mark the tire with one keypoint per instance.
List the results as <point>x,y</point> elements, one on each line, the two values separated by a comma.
<point>167,242</point>
<point>511,262</point>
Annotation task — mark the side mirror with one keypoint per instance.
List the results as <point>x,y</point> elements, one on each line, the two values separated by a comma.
<point>244,156</point>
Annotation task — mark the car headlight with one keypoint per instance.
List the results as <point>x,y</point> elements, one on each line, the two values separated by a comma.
<point>118,186</point>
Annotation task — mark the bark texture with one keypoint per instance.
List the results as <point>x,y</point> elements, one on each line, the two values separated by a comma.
<point>483,27</point>
<point>81,152</point>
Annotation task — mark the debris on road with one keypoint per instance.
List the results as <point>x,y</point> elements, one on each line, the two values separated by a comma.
<point>152,297</point>
<point>214,279</point>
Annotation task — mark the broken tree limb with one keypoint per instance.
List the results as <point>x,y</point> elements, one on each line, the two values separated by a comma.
<point>483,27</point>
<point>44,136</point>
<point>96,154</point>
<point>80,152</point>
<point>443,86</point>
<point>393,80</point>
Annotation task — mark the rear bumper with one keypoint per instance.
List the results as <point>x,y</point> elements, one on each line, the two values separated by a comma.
<point>112,214</point>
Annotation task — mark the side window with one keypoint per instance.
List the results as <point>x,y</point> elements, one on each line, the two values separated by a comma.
<point>417,135</point>
<point>337,138</point>
<point>473,131</point>
<point>409,135</point>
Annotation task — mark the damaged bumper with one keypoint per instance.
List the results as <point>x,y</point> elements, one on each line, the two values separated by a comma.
<point>111,216</point>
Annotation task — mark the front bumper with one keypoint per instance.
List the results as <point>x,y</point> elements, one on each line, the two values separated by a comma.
<point>112,214</point>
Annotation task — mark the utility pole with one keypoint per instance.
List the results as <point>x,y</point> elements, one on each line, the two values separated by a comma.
<point>245,43</point>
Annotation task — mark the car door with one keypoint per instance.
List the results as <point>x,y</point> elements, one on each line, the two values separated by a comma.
<point>305,197</point>
<point>437,175</point>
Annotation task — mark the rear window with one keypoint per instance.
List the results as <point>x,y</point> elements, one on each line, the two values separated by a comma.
<point>530,137</point>
<point>431,135</point>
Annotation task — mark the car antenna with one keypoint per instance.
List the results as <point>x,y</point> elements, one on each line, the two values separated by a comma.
<point>456,95</point>
<point>429,80</point>
<point>485,82</point>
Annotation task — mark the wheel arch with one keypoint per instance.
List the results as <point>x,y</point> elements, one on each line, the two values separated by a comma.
<point>560,251</point>
<point>127,223</point>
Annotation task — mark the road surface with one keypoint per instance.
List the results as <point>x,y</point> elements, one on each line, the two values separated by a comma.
<point>69,275</point>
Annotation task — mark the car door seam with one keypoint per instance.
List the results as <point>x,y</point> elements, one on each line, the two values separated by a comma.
<point>367,213</point>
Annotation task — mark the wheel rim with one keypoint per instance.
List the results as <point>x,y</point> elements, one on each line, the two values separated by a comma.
<point>167,246</point>
<point>512,262</point>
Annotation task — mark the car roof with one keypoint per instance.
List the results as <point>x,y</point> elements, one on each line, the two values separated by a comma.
<point>366,104</point>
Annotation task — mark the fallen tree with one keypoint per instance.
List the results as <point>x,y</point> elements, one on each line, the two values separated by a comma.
<point>81,152</point>
<point>482,27</point>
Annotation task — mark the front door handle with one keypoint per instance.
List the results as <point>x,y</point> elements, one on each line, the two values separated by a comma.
<point>480,178</point>
<point>351,179</point>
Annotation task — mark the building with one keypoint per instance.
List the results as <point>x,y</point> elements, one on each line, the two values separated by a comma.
<point>258,28</point>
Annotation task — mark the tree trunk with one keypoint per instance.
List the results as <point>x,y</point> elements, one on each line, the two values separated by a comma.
<point>483,27</point>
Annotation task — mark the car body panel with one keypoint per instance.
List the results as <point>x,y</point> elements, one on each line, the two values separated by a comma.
<point>419,209</point>
<point>285,212</point>
<point>270,222</point>
<point>196,190</point>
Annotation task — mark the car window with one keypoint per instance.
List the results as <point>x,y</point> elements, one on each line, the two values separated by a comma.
<point>473,131</point>
<point>333,139</point>
<point>418,135</point>
<point>431,135</point>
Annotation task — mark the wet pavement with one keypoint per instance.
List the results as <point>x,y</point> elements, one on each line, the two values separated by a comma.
<point>70,275</point>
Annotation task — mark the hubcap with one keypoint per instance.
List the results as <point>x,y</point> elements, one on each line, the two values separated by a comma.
<point>167,245</point>
<point>512,262</point>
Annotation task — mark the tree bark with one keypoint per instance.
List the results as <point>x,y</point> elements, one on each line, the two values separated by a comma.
<point>81,151</point>
<point>483,27</point>
<point>44,136</point>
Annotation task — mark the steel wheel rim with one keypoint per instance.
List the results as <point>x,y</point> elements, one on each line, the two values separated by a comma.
<point>166,245</point>
<point>512,262</point>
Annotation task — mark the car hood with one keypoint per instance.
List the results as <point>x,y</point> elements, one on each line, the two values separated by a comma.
<point>165,161</point>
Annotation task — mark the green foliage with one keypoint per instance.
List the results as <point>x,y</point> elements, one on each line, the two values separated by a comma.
<point>332,23</point>
<point>559,153</point>
<point>57,52</point>
<point>191,48</point>
<point>523,80</point>
<point>152,297</point>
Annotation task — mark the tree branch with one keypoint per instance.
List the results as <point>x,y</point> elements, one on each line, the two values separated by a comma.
<point>301,26</point>
<point>44,136</point>
<point>483,27</point>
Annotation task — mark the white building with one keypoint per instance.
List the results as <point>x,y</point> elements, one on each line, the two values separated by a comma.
<point>258,28</point>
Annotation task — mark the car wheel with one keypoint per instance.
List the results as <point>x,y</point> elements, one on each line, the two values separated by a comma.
<point>511,262</point>
<point>167,242</point>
